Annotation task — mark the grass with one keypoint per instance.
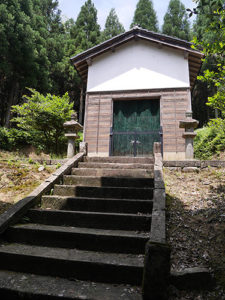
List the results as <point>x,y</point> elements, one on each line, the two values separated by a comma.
<point>18,177</point>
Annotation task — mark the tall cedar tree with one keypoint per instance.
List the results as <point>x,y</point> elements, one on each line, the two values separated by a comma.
<point>86,32</point>
<point>176,21</point>
<point>30,45</point>
<point>203,90</point>
<point>145,16</point>
<point>113,26</point>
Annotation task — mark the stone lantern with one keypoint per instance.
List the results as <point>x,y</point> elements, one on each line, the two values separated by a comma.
<point>72,127</point>
<point>189,125</point>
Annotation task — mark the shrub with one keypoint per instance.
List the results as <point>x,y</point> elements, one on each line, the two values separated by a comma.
<point>4,141</point>
<point>210,140</point>
<point>13,139</point>
<point>42,118</point>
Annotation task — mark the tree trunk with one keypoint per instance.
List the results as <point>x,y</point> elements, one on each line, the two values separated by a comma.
<point>13,98</point>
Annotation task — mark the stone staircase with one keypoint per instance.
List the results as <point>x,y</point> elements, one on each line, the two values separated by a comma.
<point>87,240</point>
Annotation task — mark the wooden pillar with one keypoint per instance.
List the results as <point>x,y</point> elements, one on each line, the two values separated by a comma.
<point>81,104</point>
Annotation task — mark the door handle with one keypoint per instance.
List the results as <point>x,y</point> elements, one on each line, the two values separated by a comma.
<point>138,142</point>
<point>132,142</point>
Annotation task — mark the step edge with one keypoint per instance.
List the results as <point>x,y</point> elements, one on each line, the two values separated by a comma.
<point>99,199</point>
<point>103,234</point>
<point>83,260</point>
<point>90,213</point>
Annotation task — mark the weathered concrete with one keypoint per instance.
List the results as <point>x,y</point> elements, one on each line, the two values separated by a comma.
<point>115,165</point>
<point>83,147</point>
<point>97,204</point>
<point>103,172</point>
<point>194,163</point>
<point>157,255</point>
<point>192,278</point>
<point>83,265</point>
<point>18,286</point>
<point>182,163</point>
<point>120,159</point>
<point>213,163</point>
<point>104,192</point>
<point>117,241</point>
<point>98,236</point>
<point>117,221</point>
<point>108,181</point>
<point>156,271</point>
<point>15,212</point>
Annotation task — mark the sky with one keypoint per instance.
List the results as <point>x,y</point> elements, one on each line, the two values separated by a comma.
<point>124,9</point>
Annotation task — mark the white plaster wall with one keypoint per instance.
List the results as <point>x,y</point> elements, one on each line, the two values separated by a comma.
<point>138,65</point>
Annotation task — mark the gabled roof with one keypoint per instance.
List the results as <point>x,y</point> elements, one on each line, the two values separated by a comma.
<point>82,60</point>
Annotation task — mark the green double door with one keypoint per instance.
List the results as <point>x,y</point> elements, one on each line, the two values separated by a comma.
<point>136,126</point>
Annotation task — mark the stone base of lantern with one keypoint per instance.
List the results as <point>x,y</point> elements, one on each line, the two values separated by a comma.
<point>71,144</point>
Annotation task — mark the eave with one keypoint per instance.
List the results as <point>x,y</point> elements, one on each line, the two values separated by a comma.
<point>84,59</point>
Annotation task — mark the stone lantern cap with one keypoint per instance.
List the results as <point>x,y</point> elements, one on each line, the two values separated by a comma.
<point>188,122</point>
<point>189,134</point>
<point>72,126</point>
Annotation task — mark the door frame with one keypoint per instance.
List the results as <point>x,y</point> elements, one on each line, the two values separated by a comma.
<point>125,98</point>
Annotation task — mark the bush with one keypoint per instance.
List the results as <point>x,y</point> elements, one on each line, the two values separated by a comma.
<point>41,118</point>
<point>210,140</point>
<point>13,139</point>
<point>18,138</point>
<point>4,140</point>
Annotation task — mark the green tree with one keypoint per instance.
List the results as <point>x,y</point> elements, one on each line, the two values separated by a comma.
<point>212,43</point>
<point>145,16</point>
<point>86,31</point>
<point>43,117</point>
<point>113,26</point>
<point>209,36</point>
<point>31,44</point>
<point>176,21</point>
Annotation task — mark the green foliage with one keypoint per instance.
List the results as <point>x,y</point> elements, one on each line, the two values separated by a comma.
<point>35,47</point>
<point>213,45</point>
<point>13,139</point>
<point>210,140</point>
<point>43,117</point>
<point>145,16</point>
<point>208,32</point>
<point>113,26</point>
<point>4,142</point>
<point>176,21</point>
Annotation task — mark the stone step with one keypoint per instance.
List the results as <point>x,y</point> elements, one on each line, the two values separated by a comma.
<point>115,241</point>
<point>104,172</point>
<point>90,219</point>
<point>107,181</point>
<point>97,204</point>
<point>72,263</point>
<point>120,159</point>
<point>115,165</point>
<point>104,192</point>
<point>18,286</point>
